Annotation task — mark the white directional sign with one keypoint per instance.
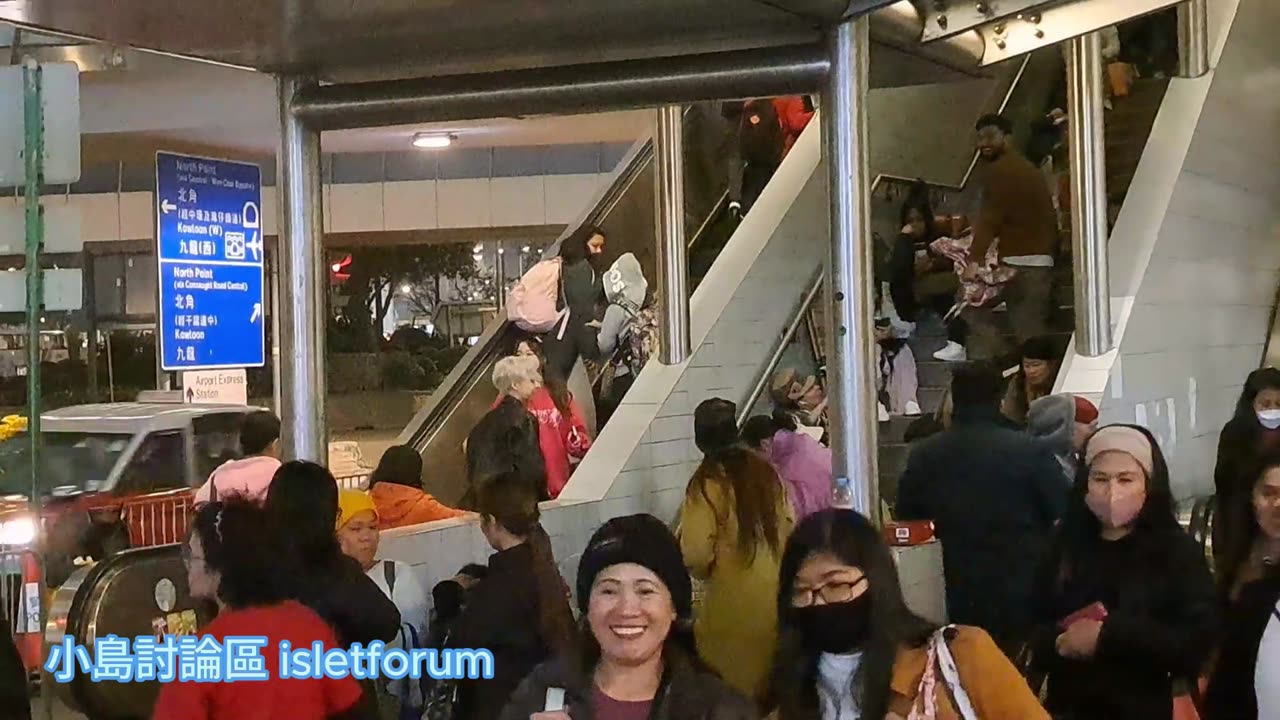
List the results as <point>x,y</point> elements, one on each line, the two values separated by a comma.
<point>215,387</point>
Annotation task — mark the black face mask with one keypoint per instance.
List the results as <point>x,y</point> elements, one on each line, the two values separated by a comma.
<point>836,627</point>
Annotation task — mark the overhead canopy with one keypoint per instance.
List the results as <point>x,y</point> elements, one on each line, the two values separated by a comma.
<point>349,40</point>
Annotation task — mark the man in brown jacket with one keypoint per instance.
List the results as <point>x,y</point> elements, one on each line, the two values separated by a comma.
<point>1018,211</point>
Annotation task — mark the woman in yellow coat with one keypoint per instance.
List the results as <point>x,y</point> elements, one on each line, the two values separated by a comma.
<point>733,525</point>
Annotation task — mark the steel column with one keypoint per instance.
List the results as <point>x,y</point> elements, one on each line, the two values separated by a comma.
<point>302,284</point>
<point>1193,38</point>
<point>1088,194</point>
<point>850,372</point>
<point>673,261</point>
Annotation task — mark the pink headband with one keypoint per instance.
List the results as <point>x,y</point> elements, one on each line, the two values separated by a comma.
<point>1118,438</point>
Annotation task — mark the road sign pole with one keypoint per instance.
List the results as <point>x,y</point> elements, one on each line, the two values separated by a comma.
<point>33,150</point>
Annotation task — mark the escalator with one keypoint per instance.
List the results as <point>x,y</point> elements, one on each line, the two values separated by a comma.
<point>624,211</point>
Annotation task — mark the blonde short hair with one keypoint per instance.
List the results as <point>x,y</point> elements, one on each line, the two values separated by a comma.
<point>510,370</point>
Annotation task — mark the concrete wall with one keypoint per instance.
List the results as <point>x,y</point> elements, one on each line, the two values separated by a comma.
<point>1196,252</point>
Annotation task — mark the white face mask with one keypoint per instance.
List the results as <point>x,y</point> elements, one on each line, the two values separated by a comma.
<point>1269,419</point>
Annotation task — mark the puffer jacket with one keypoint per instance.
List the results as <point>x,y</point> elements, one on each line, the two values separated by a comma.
<point>401,505</point>
<point>685,693</point>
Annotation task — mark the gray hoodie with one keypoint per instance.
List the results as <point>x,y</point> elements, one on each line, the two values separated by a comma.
<point>1052,421</point>
<point>625,289</point>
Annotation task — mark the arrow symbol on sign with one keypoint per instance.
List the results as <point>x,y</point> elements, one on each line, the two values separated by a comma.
<point>257,311</point>
<point>167,207</point>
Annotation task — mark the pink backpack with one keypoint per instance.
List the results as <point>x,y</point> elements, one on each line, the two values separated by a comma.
<point>532,302</point>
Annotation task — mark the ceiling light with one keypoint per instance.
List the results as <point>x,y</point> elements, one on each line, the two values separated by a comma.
<point>524,249</point>
<point>432,140</point>
<point>501,251</point>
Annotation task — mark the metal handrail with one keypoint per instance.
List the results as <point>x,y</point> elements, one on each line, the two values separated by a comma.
<point>815,288</point>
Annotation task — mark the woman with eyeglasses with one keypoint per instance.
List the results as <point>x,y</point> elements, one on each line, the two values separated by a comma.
<point>850,649</point>
<point>233,559</point>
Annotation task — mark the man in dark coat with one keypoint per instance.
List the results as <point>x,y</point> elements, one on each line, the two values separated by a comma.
<point>994,495</point>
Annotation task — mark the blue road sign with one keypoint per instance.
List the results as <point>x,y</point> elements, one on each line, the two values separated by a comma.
<point>209,250</point>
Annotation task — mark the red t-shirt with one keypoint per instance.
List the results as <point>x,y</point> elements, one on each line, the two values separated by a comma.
<point>267,699</point>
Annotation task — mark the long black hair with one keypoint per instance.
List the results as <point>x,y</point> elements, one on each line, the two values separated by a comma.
<point>303,497</point>
<point>853,540</point>
<point>573,248</point>
<point>1081,531</point>
<point>240,542</point>
<point>756,492</point>
<point>400,465</point>
<point>918,199</point>
<point>1240,544</point>
<point>557,386</point>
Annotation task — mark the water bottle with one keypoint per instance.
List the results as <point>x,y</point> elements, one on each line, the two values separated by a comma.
<point>842,494</point>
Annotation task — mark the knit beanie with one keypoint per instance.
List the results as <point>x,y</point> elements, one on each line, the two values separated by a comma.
<point>643,540</point>
<point>1053,419</point>
<point>1041,348</point>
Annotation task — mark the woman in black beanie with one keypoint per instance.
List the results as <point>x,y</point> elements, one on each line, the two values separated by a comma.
<point>635,655</point>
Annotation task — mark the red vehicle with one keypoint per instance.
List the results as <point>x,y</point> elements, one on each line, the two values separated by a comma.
<point>112,477</point>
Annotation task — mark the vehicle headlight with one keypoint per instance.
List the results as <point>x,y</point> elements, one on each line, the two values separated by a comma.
<point>20,531</point>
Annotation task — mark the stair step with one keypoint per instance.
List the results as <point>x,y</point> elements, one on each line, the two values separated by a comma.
<point>933,373</point>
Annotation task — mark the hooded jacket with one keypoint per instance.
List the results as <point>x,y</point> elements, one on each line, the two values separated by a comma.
<point>625,288</point>
<point>1052,421</point>
<point>400,505</point>
<point>805,467</point>
<point>248,477</point>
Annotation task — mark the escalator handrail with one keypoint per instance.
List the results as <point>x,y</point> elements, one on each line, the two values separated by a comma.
<point>815,289</point>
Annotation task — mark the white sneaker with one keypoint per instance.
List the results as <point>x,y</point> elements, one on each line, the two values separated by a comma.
<point>913,409</point>
<point>953,352</point>
<point>884,413</point>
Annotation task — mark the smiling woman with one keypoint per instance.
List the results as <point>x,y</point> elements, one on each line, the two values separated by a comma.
<point>636,656</point>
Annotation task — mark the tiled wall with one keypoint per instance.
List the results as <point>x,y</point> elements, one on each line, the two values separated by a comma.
<point>1196,286</point>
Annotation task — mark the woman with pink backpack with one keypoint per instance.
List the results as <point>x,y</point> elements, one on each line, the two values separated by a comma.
<point>557,298</point>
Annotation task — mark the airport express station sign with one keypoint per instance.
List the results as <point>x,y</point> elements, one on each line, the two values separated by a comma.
<point>209,250</point>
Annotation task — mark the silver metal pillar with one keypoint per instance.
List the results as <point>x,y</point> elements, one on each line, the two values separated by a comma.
<point>850,368</point>
<point>673,262</point>
<point>302,285</point>
<point>1193,38</point>
<point>274,264</point>
<point>1088,194</point>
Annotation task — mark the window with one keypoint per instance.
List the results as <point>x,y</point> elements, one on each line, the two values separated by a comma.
<point>158,464</point>
<point>217,439</point>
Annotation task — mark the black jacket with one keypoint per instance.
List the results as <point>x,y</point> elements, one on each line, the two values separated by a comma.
<point>505,438</point>
<point>1160,625</point>
<point>349,601</point>
<point>501,615</point>
<point>582,291</point>
<point>1231,692</point>
<point>14,704</point>
<point>686,693</point>
<point>994,495</point>
<point>1240,447</point>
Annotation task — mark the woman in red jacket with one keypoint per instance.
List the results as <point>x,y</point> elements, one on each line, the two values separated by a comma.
<point>562,431</point>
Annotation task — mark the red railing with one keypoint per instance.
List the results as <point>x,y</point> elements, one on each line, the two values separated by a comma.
<point>159,520</point>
